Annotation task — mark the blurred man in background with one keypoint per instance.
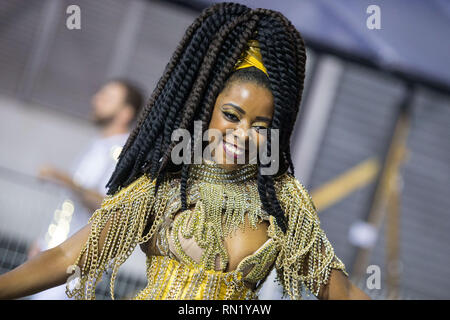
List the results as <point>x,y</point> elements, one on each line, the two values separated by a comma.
<point>115,107</point>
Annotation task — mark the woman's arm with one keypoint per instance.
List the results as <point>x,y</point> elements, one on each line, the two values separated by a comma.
<point>339,287</point>
<point>46,270</point>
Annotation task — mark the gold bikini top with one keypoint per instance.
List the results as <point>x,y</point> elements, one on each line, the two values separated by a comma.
<point>192,258</point>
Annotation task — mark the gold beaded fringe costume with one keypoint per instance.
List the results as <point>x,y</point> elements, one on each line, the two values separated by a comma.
<point>219,202</point>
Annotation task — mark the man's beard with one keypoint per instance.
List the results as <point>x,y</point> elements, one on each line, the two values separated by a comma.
<point>102,122</point>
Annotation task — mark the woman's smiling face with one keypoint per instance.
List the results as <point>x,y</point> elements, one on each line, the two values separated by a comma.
<point>241,110</point>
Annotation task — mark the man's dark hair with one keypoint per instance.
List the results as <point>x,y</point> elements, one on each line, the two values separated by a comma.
<point>197,72</point>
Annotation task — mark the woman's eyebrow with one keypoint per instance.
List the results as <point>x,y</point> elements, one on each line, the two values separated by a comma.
<point>234,106</point>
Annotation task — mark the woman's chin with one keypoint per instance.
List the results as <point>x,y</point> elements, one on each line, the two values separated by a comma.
<point>231,164</point>
<point>227,162</point>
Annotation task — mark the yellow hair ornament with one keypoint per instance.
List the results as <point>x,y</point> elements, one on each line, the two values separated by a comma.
<point>251,58</point>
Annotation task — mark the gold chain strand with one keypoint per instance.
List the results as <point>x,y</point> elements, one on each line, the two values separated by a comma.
<point>306,256</point>
<point>125,214</point>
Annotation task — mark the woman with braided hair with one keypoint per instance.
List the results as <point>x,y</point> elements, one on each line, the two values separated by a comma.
<point>210,229</point>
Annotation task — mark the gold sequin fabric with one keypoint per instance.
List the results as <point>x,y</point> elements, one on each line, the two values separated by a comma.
<point>169,279</point>
<point>219,200</point>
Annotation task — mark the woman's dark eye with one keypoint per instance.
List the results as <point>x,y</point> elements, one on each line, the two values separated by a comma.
<point>231,117</point>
